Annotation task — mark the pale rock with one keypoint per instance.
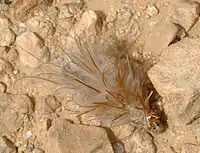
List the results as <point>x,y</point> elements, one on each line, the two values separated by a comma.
<point>7,37</point>
<point>89,24</point>
<point>65,137</point>
<point>176,79</point>
<point>3,52</point>
<point>4,23</point>
<point>12,55</point>
<point>183,13</point>
<point>64,13</point>
<point>5,68</point>
<point>161,36</point>
<point>2,87</point>
<point>13,108</point>
<point>134,140</point>
<point>151,11</point>
<point>39,25</point>
<point>32,51</point>
<point>47,105</point>
<point>64,2</point>
<point>126,27</point>
<point>6,146</point>
<point>37,150</point>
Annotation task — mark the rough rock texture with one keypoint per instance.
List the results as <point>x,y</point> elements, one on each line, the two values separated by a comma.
<point>134,140</point>
<point>65,137</point>
<point>184,13</point>
<point>7,37</point>
<point>90,23</point>
<point>32,52</point>
<point>176,79</point>
<point>6,146</point>
<point>160,37</point>
<point>39,25</point>
<point>13,108</point>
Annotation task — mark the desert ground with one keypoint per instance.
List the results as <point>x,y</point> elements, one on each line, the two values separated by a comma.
<point>36,111</point>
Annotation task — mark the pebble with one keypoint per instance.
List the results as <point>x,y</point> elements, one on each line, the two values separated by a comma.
<point>31,52</point>
<point>151,11</point>
<point>7,37</point>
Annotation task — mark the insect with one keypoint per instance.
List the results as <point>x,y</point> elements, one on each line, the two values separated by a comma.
<point>111,88</point>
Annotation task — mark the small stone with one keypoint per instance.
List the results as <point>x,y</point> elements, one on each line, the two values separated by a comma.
<point>111,16</point>
<point>4,23</point>
<point>6,146</point>
<point>13,108</point>
<point>37,150</point>
<point>64,12</point>
<point>160,37</point>
<point>42,27</point>
<point>184,13</point>
<point>151,11</point>
<point>32,51</point>
<point>64,2</point>
<point>47,105</point>
<point>28,134</point>
<point>90,23</point>
<point>176,79</point>
<point>2,87</point>
<point>12,55</point>
<point>134,140</point>
<point>7,37</point>
<point>65,137</point>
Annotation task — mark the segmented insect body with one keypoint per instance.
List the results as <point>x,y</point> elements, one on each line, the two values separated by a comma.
<point>109,85</point>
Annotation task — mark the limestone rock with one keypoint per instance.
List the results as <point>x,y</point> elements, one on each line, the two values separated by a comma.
<point>42,27</point>
<point>127,28</point>
<point>4,23</point>
<point>151,11</point>
<point>176,78</point>
<point>6,146</point>
<point>63,2</point>
<point>47,105</point>
<point>90,23</point>
<point>13,108</point>
<point>66,137</point>
<point>161,36</point>
<point>7,37</point>
<point>37,150</point>
<point>183,13</point>
<point>32,51</point>
<point>134,140</point>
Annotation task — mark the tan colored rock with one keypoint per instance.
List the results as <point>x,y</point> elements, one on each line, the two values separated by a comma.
<point>47,105</point>
<point>176,78</point>
<point>65,137</point>
<point>134,140</point>
<point>6,146</point>
<point>126,26</point>
<point>39,25</point>
<point>13,108</point>
<point>90,23</point>
<point>161,36</point>
<point>32,51</point>
<point>64,2</point>
<point>7,37</point>
<point>151,11</point>
<point>37,150</point>
<point>184,13</point>
<point>4,23</point>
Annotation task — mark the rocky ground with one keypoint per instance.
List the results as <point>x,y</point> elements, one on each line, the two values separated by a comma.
<point>35,119</point>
